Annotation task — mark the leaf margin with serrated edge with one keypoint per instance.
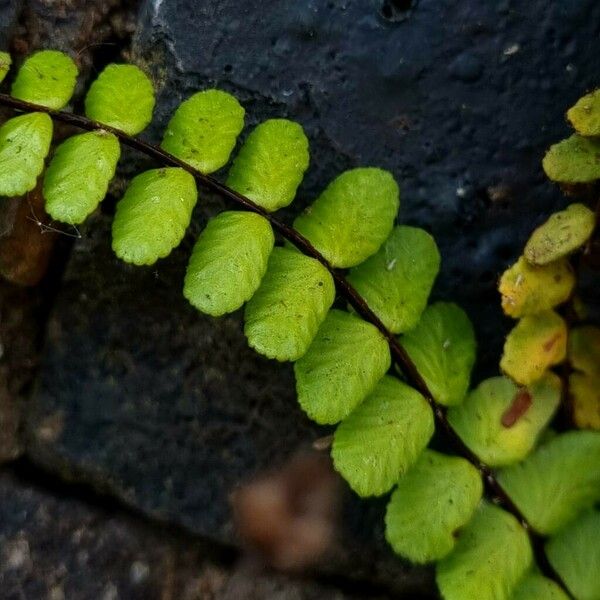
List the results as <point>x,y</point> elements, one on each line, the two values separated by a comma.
<point>139,246</point>
<point>394,416</point>
<point>416,491</point>
<point>52,65</point>
<point>536,343</point>
<point>273,325</point>
<point>516,548</point>
<point>346,243</point>
<point>378,350</point>
<point>389,284</point>
<point>61,175</point>
<point>450,351</point>
<point>42,126</point>
<point>214,253</point>
<point>122,96</point>
<point>546,516</point>
<point>198,107</point>
<point>262,157</point>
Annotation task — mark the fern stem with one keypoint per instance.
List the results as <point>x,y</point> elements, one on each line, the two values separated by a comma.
<point>345,289</point>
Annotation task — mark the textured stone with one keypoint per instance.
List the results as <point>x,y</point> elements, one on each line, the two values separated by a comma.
<point>8,17</point>
<point>56,548</point>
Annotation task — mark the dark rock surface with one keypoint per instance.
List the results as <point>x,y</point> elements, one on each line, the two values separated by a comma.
<point>58,548</point>
<point>142,397</point>
<point>8,16</point>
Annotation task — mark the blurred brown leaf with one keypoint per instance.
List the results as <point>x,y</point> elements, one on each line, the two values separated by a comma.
<point>289,515</point>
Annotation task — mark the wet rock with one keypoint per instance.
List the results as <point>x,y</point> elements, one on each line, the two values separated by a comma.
<point>466,67</point>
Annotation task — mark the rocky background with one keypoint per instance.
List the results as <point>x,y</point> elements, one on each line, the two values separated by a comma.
<point>127,420</point>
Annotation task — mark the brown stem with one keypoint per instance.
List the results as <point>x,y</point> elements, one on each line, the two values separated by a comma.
<point>345,289</point>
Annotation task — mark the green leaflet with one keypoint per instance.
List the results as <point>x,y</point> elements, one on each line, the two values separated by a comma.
<point>270,165</point>
<point>204,129</point>
<point>528,289</point>
<point>355,214</point>
<point>283,317</point>
<point>46,78</point>
<point>228,262</point>
<point>396,281</point>
<point>490,557</point>
<point>574,160</point>
<point>24,144</point>
<point>486,424</point>
<point>536,343</point>
<point>382,438</point>
<point>561,234</point>
<point>585,114</point>
<point>5,63</point>
<point>341,367</point>
<point>559,480</point>
<point>121,97</point>
<point>537,587</point>
<point>442,346</point>
<point>77,178</point>
<point>575,554</point>
<point>432,501</point>
<point>153,215</point>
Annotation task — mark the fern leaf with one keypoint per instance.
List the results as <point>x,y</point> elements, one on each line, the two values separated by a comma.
<point>585,114</point>
<point>490,557</point>
<point>481,420</point>
<point>537,587</point>
<point>397,279</point>
<point>558,481</point>
<point>432,501</point>
<point>77,178</point>
<point>47,78</point>
<point>584,349</point>
<point>561,234</point>
<point>536,343</point>
<point>283,317</point>
<point>122,97</point>
<point>442,347</point>
<point>204,129</point>
<point>352,217</point>
<point>153,215</point>
<point>574,160</point>
<point>5,63</point>
<point>382,438</point>
<point>575,555</point>
<point>228,262</point>
<point>584,382</point>
<point>528,289</point>
<point>341,367</point>
<point>270,165</point>
<point>24,144</point>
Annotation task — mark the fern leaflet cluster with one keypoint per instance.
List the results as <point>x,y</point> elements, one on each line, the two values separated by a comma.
<point>342,356</point>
